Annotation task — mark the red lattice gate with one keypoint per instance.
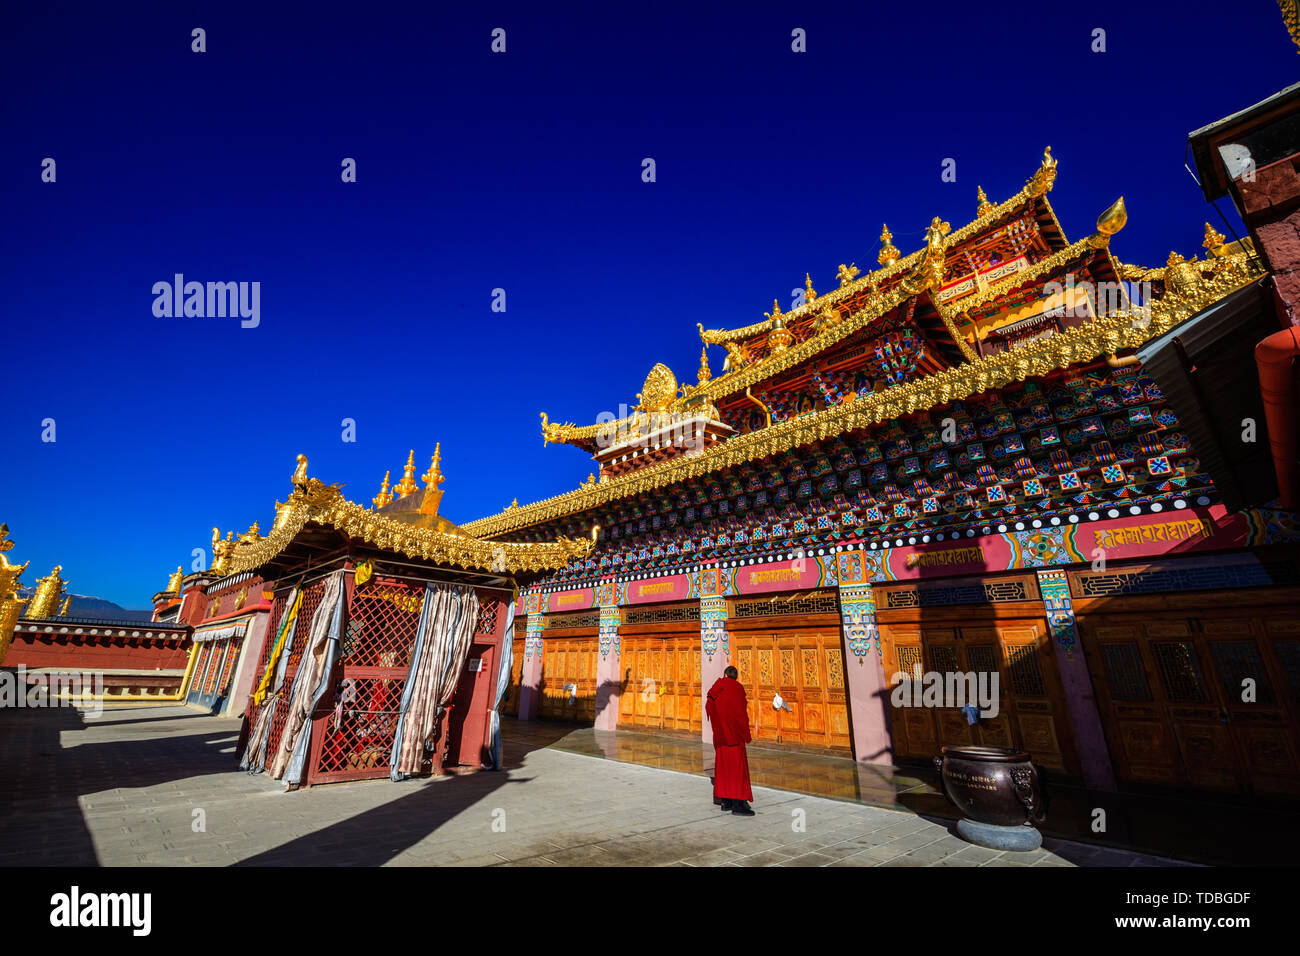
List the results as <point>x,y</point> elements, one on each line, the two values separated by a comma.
<point>352,733</point>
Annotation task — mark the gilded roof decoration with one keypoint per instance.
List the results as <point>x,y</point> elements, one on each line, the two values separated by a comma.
<point>1190,287</point>
<point>313,502</point>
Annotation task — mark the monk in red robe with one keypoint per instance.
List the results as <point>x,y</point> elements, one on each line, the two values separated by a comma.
<point>730,721</point>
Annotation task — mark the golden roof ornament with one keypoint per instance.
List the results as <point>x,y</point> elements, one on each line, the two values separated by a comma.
<point>407,485</point>
<point>1213,239</point>
<point>300,473</point>
<point>847,274</point>
<point>281,513</point>
<point>254,533</point>
<point>888,253</point>
<point>9,573</point>
<point>49,590</point>
<point>1044,177</point>
<point>434,476</point>
<point>383,498</point>
<point>63,608</point>
<point>659,390</point>
<point>982,207</point>
<point>809,293</point>
<point>780,338</point>
<point>1109,222</point>
<point>703,375</point>
<point>223,550</point>
<point>175,581</point>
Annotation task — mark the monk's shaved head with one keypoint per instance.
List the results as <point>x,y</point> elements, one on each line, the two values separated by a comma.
<point>732,673</point>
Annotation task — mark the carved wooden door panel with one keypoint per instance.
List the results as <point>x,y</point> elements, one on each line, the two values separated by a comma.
<point>510,705</point>
<point>1208,699</point>
<point>1163,719</point>
<point>630,680</point>
<point>915,734</point>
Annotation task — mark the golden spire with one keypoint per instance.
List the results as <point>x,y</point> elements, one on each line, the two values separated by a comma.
<point>45,601</point>
<point>63,608</point>
<point>1213,239</point>
<point>383,497</point>
<point>703,375</point>
<point>983,206</point>
<point>434,477</point>
<point>888,254</point>
<point>779,338</point>
<point>809,293</point>
<point>847,274</point>
<point>175,581</point>
<point>407,485</point>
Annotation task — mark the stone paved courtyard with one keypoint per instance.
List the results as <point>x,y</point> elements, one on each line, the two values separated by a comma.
<point>123,790</point>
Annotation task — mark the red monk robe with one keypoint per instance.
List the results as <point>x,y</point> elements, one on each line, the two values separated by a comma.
<point>730,720</point>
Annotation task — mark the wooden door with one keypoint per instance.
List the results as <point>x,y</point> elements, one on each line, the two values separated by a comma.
<point>805,667</point>
<point>1204,699</point>
<point>1031,712</point>
<point>569,678</point>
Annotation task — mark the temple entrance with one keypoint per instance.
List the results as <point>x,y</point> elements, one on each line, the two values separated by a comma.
<point>659,669</point>
<point>568,690</point>
<point>1200,696</point>
<point>661,683</point>
<point>213,672</point>
<point>791,647</point>
<point>1031,703</point>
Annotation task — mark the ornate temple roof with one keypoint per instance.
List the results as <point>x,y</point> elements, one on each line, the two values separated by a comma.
<point>862,301</point>
<point>314,503</point>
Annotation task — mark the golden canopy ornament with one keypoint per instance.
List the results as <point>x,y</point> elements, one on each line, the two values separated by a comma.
<point>888,251</point>
<point>49,592</point>
<point>175,581</point>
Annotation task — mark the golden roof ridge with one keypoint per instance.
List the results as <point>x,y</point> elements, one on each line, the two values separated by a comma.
<point>1099,336</point>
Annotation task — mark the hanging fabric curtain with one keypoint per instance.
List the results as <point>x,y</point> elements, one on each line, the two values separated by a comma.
<point>313,670</point>
<point>254,758</point>
<point>503,681</point>
<point>443,638</point>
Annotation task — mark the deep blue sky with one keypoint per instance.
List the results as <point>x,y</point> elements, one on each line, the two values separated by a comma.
<point>519,171</point>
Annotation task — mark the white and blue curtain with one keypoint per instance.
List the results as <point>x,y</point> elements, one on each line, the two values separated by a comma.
<point>503,681</point>
<point>448,619</point>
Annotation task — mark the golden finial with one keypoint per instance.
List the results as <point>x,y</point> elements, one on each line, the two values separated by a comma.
<point>591,480</point>
<point>222,551</point>
<point>775,314</point>
<point>1110,222</point>
<point>1213,239</point>
<point>809,293</point>
<point>383,497</point>
<point>703,375</point>
<point>434,477</point>
<point>847,274</point>
<point>254,533</point>
<point>983,207</point>
<point>514,503</point>
<point>888,254</point>
<point>407,485</point>
<point>300,473</point>
<point>63,608</point>
<point>281,513</point>
<point>175,581</point>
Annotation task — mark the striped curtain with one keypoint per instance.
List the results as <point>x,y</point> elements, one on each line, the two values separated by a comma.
<point>254,759</point>
<point>313,675</point>
<point>503,681</point>
<point>442,642</point>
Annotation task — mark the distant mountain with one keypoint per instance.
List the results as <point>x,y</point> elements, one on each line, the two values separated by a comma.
<point>84,606</point>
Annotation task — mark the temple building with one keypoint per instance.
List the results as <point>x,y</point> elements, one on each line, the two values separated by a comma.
<point>957,462</point>
<point>359,642</point>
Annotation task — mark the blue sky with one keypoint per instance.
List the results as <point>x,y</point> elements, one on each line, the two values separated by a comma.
<point>519,171</point>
